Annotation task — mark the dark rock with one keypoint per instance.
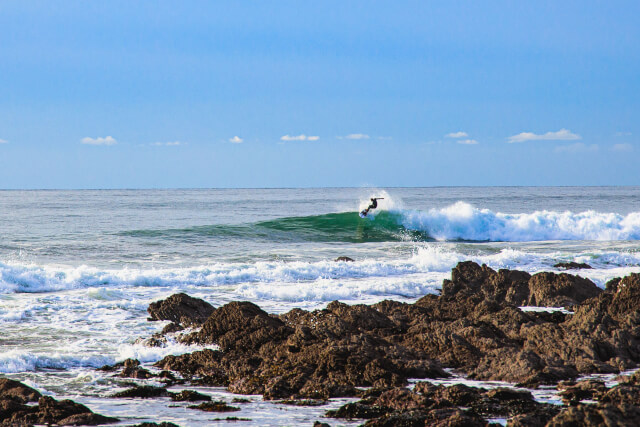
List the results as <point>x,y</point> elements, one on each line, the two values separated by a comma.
<point>612,285</point>
<point>138,373</point>
<point>319,424</point>
<point>535,418</point>
<point>216,406</point>
<point>189,396</point>
<point>583,390</point>
<point>86,419</point>
<point>303,402</point>
<point>402,399</point>
<point>572,265</point>
<point>10,406</point>
<point>207,364</point>
<point>144,391</point>
<point>167,375</point>
<point>449,417</point>
<point>560,290</point>
<point>15,390</point>
<point>506,394</point>
<point>131,363</point>
<point>171,328</point>
<point>475,327</point>
<point>241,326</point>
<point>357,410</point>
<point>344,258</point>
<point>181,309</point>
<point>50,411</point>
<point>597,415</point>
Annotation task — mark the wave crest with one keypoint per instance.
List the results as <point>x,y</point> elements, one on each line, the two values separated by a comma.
<point>462,221</point>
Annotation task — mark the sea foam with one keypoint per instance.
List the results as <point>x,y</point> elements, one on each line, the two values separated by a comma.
<point>462,221</point>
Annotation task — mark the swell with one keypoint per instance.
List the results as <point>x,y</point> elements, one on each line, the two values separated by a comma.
<point>458,222</point>
<point>345,227</point>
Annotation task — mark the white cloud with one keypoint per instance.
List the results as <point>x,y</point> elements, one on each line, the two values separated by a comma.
<point>236,140</point>
<point>3,141</point>
<point>623,134</point>
<point>355,136</point>
<point>302,137</point>
<point>578,147</point>
<point>561,135</point>
<point>108,140</point>
<point>622,147</point>
<point>467,141</point>
<point>167,144</point>
<point>457,135</point>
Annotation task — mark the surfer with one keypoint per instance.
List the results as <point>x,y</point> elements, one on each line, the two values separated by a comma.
<point>373,205</point>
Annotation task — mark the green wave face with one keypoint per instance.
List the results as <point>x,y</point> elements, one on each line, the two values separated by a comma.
<point>334,227</point>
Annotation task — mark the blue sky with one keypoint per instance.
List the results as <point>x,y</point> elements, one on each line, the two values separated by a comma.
<point>297,94</point>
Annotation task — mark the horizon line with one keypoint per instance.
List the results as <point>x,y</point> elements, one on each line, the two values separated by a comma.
<point>313,188</point>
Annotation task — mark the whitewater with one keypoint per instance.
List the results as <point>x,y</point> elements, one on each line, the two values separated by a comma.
<point>79,268</point>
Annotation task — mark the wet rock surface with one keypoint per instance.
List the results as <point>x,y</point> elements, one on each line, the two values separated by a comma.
<point>428,403</point>
<point>162,424</point>
<point>216,406</point>
<point>181,309</point>
<point>143,392</point>
<point>17,408</point>
<point>189,396</point>
<point>573,265</point>
<point>474,327</point>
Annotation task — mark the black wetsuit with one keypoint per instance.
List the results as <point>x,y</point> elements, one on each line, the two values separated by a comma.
<point>373,205</point>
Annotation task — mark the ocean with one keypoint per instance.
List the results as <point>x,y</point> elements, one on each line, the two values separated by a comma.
<point>79,268</point>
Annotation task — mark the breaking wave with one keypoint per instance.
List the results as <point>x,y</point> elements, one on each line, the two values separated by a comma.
<point>458,222</point>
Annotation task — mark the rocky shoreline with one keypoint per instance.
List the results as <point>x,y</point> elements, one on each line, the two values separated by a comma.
<point>371,352</point>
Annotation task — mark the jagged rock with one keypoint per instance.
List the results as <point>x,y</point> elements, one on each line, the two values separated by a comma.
<point>560,290</point>
<point>241,326</point>
<point>171,328</point>
<point>402,399</point>
<point>327,354</point>
<point>181,309</point>
<point>216,406</point>
<point>597,415</point>
<point>15,390</point>
<point>207,364</point>
<point>573,393</point>
<point>189,396</point>
<point>475,326</point>
<point>357,410</point>
<point>572,265</point>
<point>534,418</point>
<point>144,391</point>
<point>447,417</point>
<point>47,411</point>
<point>518,287</point>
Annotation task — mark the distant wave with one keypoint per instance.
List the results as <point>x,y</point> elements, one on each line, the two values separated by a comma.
<point>458,222</point>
